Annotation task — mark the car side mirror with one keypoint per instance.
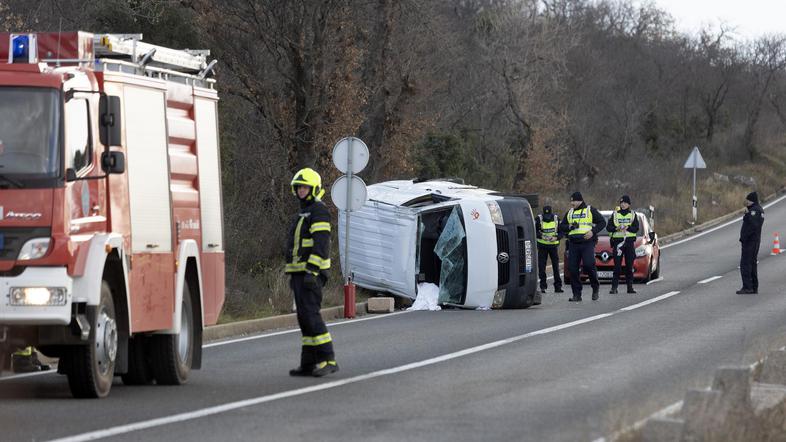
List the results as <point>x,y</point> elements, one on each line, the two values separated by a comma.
<point>112,162</point>
<point>70,175</point>
<point>653,236</point>
<point>109,120</point>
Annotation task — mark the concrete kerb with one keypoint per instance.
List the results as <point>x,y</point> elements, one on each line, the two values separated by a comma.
<point>253,326</point>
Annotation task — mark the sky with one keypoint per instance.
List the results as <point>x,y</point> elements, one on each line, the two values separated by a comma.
<point>751,18</point>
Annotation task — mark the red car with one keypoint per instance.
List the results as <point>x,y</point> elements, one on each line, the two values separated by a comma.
<point>646,267</point>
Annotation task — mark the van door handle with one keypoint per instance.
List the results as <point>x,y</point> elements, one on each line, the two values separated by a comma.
<point>212,246</point>
<point>151,246</point>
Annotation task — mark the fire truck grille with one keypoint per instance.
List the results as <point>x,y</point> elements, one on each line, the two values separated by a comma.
<point>13,238</point>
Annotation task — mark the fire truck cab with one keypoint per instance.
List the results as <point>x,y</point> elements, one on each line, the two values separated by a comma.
<point>111,234</point>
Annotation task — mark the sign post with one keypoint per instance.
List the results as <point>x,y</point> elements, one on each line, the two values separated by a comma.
<point>350,156</point>
<point>695,161</point>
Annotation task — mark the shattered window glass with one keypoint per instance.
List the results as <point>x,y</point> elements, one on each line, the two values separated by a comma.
<point>450,251</point>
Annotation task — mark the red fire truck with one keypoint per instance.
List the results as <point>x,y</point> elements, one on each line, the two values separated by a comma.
<point>111,235</point>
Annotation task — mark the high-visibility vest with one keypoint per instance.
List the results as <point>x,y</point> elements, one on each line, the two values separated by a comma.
<point>548,229</point>
<point>581,216</point>
<point>623,220</point>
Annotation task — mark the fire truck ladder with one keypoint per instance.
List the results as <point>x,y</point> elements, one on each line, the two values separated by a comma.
<point>130,47</point>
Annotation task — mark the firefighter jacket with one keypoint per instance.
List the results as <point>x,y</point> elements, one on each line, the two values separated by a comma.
<point>618,218</point>
<point>309,239</point>
<point>752,222</point>
<point>581,220</point>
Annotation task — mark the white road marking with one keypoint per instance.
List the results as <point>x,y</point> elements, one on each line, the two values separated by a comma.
<point>210,411</point>
<point>648,302</point>
<point>654,281</point>
<point>708,280</point>
<point>766,206</point>
<point>294,330</point>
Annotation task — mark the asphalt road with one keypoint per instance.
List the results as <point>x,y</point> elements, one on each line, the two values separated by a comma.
<point>559,371</point>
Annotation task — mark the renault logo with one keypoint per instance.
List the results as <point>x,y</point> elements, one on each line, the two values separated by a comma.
<point>503,258</point>
<point>604,256</point>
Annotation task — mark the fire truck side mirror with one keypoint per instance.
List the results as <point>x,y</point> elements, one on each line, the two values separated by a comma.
<point>109,114</point>
<point>113,162</point>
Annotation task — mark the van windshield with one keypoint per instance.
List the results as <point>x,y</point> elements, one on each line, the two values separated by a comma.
<point>29,136</point>
<point>442,256</point>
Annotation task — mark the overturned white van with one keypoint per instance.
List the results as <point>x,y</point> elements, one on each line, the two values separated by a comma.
<point>478,245</point>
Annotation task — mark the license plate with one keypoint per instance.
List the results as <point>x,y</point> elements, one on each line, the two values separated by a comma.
<point>605,274</point>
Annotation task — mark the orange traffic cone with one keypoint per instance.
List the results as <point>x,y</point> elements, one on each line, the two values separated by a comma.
<point>776,245</point>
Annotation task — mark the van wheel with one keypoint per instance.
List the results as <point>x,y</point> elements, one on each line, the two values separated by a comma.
<point>172,355</point>
<point>91,368</point>
<point>139,370</point>
<point>656,274</point>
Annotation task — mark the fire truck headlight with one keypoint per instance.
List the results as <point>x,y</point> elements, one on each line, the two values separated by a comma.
<point>34,249</point>
<point>38,296</point>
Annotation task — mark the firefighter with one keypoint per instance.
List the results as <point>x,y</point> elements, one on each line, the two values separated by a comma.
<point>26,361</point>
<point>308,259</point>
<point>581,225</point>
<point>548,247</point>
<point>750,237</point>
<point>622,227</point>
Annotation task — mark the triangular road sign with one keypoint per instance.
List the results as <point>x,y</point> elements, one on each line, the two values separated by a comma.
<point>695,160</point>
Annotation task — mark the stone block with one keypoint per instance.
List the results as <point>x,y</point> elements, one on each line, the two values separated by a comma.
<point>380,305</point>
<point>734,383</point>
<point>774,368</point>
<point>661,429</point>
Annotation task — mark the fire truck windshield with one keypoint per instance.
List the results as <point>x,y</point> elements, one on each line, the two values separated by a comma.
<point>29,135</point>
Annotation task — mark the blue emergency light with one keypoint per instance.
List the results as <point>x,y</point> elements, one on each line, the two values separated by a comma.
<point>22,50</point>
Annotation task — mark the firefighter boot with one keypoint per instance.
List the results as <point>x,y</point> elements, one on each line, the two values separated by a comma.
<point>27,362</point>
<point>301,371</point>
<point>324,368</point>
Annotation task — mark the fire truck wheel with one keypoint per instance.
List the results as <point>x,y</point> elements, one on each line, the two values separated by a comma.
<point>172,355</point>
<point>91,368</point>
<point>139,370</point>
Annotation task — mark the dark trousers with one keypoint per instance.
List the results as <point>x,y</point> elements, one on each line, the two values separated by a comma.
<point>629,253</point>
<point>308,303</point>
<point>544,253</point>
<point>583,253</point>
<point>748,266</point>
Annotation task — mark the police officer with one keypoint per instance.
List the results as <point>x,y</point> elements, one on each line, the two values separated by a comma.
<point>750,237</point>
<point>622,227</point>
<point>548,247</point>
<point>581,225</point>
<point>308,259</point>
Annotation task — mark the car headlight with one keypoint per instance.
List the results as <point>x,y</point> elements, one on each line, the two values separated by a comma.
<point>499,298</point>
<point>496,213</point>
<point>643,250</point>
<point>34,249</point>
<point>38,296</point>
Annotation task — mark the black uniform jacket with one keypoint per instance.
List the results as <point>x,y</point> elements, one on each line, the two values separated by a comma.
<point>540,234</point>
<point>633,228</point>
<point>312,212</point>
<point>597,219</point>
<point>752,222</point>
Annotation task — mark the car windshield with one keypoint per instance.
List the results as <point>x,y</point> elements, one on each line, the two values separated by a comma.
<point>605,232</point>
<point>29,139</point>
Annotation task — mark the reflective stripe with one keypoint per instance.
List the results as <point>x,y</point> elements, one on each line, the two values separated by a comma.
<point>311,341</point>
<point>295,267</point>
<point>296,246</point>
<point>319,262</point>
<point>583,217</point>
<point>321,226</point>
<point>548,229</point>
<point>25,352</point>
<point>623,220</point>
<point>307,242</point>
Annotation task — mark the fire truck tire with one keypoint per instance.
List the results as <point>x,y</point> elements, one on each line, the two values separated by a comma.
<point>172,355</point>
<point>91,368</point>
<point>139,370</point>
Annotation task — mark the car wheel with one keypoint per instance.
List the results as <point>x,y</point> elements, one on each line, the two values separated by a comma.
<point>91,367</point>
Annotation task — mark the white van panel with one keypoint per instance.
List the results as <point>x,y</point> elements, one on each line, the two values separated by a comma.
<point>209,175</point>
<point>481,253</point>
<point>148,169</point>
<point>382,247</point>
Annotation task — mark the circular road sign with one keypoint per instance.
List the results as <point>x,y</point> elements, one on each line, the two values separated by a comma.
<point>339,193</point>
<point>359,154</point>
